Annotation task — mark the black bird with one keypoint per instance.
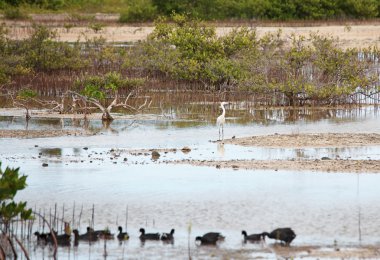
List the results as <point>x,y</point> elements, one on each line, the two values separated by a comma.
<point>210,238</point>
<point>41,237</point>
<point>149,236</point>
<point>168,236</point>
<point>89,236</point>
<point>283,234</point>
<point>62,240</point>
<point>94,232</point>
<point>253,237</point>
<point>104,234</point>
<point>122,235</point>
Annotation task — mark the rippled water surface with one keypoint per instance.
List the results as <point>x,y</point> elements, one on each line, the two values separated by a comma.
<point>323,208</point>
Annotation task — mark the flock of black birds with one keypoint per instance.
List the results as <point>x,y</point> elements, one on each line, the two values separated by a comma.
<point>285,235</point>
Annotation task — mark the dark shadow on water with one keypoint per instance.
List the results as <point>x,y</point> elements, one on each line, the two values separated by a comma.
<point>51,152</point>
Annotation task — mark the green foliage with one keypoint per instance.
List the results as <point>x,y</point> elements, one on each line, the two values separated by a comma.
<point>14,13</point>
<point>139,11</point>
<point>82,17</point>
<point>270,9</point>
<point>303,68</point>
<point>10,183</point>
<point>96,27</point>
<point>362,9</point>
<point>43,52</point>
<point>310,68</point>
<point>102,54</point>
<point>101,87</point>
<point>188,49</point>
<point>26,94</point>
<point>148,10</point>
<point>11,63</point>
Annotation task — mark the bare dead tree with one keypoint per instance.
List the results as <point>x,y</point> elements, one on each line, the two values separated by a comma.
<point>106,110</point>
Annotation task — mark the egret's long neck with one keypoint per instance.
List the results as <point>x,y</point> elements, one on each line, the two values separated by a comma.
<point>224,110</point>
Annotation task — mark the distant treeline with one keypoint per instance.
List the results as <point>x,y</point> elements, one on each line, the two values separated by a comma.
<point>272,9</point>
<point>148,10</point>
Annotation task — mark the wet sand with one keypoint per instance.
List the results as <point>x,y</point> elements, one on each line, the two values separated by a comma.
<point>359,166</point>
<point>308,140</point>
<point>38,133</point>
<point>360,36</point>
<point>317,140</point>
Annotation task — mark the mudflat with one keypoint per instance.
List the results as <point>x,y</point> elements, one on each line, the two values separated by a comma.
<point>299,141</point>
<point>309,140</point>
<point>329,165</point>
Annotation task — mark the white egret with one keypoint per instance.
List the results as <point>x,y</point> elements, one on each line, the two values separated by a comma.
<point>221,119</point>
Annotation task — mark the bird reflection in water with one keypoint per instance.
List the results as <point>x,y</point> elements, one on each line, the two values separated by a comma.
<point>220,148</point>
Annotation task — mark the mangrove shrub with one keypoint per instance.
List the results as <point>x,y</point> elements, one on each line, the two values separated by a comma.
<point>10,183</point>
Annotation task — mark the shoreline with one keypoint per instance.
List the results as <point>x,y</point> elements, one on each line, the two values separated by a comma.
<point>320,166</point>
<point>316,140</point>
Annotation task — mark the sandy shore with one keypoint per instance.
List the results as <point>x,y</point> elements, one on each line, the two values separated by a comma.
<point>359,166</point>
<point>308,140</point>
<point>38,133</point>
<point>317,140</point>
<point>362,35</point>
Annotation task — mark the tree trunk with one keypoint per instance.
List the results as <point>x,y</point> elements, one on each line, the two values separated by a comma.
<point>291,97</point>
<point>27,114</point>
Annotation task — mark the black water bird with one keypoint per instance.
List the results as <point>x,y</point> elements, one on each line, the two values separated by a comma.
<point>122,235</point>
<point>253,237</point>
<point>210,238</point>
<point>168,236</point>
<point>89,236</point>
<point>94,232</point>
<point>285,235</point>
<point>62,240</point>
<point>104,234</point>
<point>41,237</point>
<point>149,236</point>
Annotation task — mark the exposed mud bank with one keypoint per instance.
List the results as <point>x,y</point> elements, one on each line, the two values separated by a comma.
<point>39,133</point>
<point>328,165</point>
<point>309,140</point>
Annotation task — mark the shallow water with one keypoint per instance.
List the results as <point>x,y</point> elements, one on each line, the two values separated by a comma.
<point>321,208</point>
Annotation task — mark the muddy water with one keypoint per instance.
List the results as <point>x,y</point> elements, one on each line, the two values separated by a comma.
<point>323,209</point>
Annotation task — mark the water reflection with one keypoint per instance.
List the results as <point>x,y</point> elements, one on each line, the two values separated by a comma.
<point>199,115</point>
<point>51,152</point>
<point>221,150</point>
